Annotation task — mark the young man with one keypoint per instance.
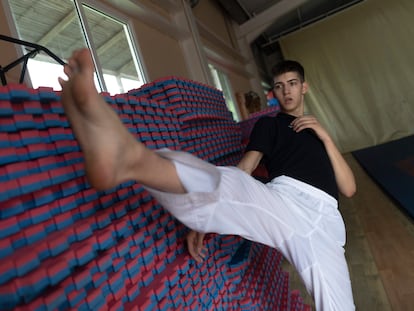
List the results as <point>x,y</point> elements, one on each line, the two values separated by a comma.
<point>296,212</point>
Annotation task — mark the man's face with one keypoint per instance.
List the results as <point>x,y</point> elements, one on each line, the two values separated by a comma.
<point>289,91</point>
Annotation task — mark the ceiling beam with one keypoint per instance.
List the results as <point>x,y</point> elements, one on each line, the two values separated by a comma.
<point>108,44</point>
<point>172,6</point>
<point>56,29</point>
<point>244,9</point>
<point>143,13</point>
<point>255,26</point>
<point>126,66</point>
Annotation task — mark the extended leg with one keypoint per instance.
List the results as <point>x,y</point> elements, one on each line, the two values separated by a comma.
<point>297,219</point>
<point>112,155</point>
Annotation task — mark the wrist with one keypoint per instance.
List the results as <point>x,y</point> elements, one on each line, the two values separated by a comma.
<point>328,142</point>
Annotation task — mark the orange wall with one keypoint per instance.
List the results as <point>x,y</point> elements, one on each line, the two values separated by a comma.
<point>162,54</point>
<point>210,14</point>
<point>8,51</point>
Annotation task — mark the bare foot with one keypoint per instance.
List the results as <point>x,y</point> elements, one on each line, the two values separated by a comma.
<point>111,154</point>
<point>110,151</point>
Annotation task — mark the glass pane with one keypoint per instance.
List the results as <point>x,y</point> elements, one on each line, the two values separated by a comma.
<point>227,92</point>
<point>114,50</point>
<point>221,82</point>
<point>53,24</point>
<point>45,74</point>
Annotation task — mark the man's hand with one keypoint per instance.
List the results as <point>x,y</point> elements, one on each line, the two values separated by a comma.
<point>195,245</point>
<point>309,121</point>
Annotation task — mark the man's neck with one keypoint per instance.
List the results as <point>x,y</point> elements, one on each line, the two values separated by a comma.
<point>293,113</point>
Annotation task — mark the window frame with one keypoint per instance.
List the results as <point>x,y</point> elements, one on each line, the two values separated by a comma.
<point>87,34</point>
<point>224,81</point>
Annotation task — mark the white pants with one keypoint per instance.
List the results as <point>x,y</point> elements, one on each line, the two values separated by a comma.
<point>299,220</point>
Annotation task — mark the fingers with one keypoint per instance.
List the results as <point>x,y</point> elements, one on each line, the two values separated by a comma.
<point>195,246</point>
<point>310,122</point>
<point>303,122</point>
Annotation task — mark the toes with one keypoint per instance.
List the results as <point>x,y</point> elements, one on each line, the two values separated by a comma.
<point>84,60</point>
<point>67,70</point>
<point>70,68</point>
<point>79,62</point>
<point>62,82</point>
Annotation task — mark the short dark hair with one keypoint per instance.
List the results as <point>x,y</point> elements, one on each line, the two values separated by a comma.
<point>289,66</point>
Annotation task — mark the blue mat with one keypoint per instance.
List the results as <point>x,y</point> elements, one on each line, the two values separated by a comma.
<point>391,165</point>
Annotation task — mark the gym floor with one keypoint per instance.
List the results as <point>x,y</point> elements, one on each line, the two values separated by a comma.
<point>379,249</point>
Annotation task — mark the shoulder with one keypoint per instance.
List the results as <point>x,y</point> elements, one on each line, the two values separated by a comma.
<point>265,125</point>
<point>281,116</point>
<point>272,121</point>
<point>266,121</point>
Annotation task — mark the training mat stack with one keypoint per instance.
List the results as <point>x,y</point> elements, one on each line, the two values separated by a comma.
<point>65,246</point>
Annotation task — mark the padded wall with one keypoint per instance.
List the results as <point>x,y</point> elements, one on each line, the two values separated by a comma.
<point>65,246</point>
<point>207,128</point>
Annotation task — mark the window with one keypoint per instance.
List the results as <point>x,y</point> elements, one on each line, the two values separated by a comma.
<point>63,26</point>
<point>222,83</point>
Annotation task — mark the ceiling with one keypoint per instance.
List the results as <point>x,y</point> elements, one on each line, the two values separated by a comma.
<point>54,24</point>
<point>279,17</point>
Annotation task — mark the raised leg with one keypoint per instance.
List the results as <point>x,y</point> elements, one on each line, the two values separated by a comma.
<point>112,155</point>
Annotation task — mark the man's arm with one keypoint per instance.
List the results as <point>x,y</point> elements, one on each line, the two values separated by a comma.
<point>343,174</point>
<point>250,161</point>
<point>195,239</point>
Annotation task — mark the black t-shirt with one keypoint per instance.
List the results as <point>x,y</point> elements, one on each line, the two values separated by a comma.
<point>299,155</point>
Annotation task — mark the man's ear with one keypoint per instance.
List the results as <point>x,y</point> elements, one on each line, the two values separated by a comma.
<point>305,87</point>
